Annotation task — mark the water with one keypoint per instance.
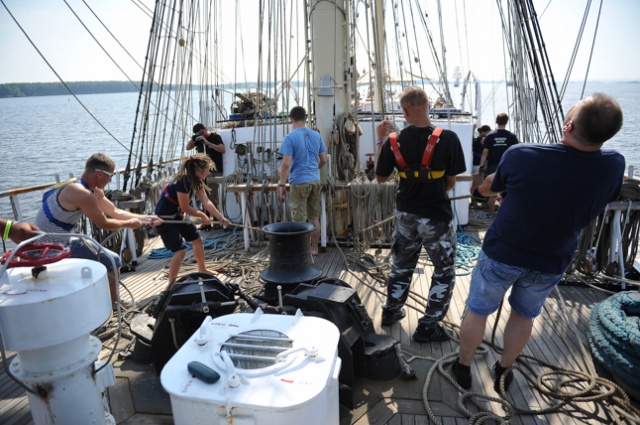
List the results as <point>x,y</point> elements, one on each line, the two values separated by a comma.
<point>43,136</point>
<point>47,135</point>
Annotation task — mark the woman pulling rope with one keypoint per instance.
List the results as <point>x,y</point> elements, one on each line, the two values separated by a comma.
<point>175,201</point>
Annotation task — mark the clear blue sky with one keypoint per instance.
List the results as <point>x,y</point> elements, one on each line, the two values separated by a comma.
<point>75,55</point>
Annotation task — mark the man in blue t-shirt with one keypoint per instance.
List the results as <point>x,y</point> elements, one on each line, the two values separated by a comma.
<point>552,193</point>
<point>303,154</point>
<point>495,144</point>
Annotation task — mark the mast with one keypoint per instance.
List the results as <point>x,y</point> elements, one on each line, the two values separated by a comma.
<point>332,82</point>
<point>329,49</point>
<point>380,54</point>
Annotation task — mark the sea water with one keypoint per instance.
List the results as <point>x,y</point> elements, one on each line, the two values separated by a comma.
<point>48,135</point>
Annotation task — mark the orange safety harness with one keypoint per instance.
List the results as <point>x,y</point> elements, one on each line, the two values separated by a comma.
<point>420,172</point>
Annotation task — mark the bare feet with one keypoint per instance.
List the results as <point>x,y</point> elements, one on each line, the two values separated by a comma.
<point>213,272</point>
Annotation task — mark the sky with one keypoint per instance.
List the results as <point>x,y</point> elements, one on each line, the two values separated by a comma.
<point>75,56</point>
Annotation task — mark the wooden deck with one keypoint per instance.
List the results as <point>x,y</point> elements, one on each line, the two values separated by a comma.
<point>559,339</point>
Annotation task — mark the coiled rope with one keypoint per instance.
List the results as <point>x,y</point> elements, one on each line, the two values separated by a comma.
<point>373,208</point>
<point>559,386</point>
<point>614,337</point>
<point>342,147</point>
<point>467,253</point>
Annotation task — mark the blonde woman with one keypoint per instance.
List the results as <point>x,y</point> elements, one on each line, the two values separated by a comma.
<point>175,201</point>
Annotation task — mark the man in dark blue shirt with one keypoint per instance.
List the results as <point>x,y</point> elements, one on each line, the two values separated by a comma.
<point>477,148</point>
<point>495,145</point>
<point>552,193</point>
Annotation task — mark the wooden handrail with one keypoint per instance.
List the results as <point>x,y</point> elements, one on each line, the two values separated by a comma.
<point>23,190</point>
<point>259,187</point>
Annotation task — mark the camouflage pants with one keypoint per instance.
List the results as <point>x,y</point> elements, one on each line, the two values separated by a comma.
<point>439,240</point>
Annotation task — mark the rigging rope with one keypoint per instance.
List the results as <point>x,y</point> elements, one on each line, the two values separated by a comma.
<point>595,252</point>
<point>100,45</point>
<point>593,44</point>
<point>576,47</point>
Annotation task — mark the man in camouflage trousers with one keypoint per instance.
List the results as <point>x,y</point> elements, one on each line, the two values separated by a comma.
<point>423,217</point>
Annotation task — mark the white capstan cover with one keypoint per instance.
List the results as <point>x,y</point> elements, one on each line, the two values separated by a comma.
<point>301,387</point>
<point>48,319</point>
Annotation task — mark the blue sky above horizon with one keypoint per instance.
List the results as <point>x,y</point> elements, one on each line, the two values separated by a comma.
<point>75,56</point>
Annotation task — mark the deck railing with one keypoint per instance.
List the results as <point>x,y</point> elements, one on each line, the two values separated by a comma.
<point>160,172</point>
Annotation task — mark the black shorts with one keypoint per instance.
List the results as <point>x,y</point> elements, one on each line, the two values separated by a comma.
<point>175,235</point>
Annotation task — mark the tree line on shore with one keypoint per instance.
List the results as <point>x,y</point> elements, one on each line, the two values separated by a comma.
<point>95,87</point>
<point>77,87</point>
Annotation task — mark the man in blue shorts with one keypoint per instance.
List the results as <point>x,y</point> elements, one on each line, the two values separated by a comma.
<point>303,154</point>
<point>530,243</point>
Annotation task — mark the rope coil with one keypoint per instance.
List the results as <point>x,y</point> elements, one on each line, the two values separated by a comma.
<point>614,336</point>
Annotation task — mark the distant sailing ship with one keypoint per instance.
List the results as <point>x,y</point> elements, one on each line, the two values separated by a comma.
<point>457,75</point>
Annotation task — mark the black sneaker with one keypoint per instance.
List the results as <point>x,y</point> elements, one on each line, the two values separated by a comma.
<point>424,334</point>
<point>389,317</point>
<point>498,371</point>
<point>462,374</point>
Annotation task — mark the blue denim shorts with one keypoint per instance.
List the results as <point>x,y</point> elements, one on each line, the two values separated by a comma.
<point>491,279</point>
<point>79,249</point>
